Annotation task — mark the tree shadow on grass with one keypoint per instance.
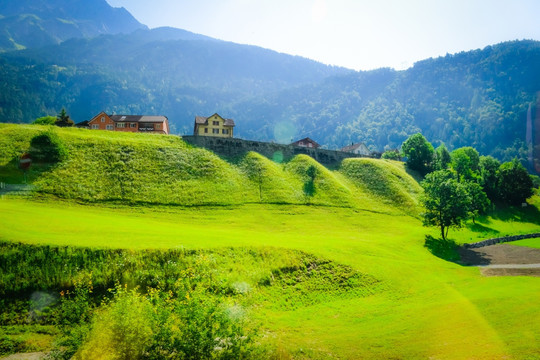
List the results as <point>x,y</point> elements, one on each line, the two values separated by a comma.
<point>414,174</point>
<point>470,257</point>
<point>529,214</point>
<point>444,249</point>
<point>449,250</point>
<point>479,228</point>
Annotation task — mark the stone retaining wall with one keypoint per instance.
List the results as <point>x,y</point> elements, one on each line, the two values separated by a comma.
<point>231,147</point>
<point>500,240</point>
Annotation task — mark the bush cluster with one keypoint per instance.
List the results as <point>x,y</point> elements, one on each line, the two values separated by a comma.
<point>47,148</point>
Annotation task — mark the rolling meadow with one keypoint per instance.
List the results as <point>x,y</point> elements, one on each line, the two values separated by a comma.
<point>284,261</point>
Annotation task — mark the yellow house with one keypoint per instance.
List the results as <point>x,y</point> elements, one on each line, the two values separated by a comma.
<point>213,125</point>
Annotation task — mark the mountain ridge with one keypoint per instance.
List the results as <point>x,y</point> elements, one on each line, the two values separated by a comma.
<point>37,23</point>
<point>477,98</point>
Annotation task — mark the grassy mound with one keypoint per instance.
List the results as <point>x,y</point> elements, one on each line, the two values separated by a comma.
<point>385,179</point>
<point>270,182</point>
<point>105,166</point>
<point>134,168</point>
<point>320,185</point>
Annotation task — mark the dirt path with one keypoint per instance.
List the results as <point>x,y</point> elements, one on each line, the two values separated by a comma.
<point>25,356</point>
<point>503,260</point>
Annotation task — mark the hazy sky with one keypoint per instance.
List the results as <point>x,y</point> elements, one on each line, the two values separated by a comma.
<point>358,34</point>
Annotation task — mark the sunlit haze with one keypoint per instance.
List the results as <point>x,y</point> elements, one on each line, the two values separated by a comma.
<point>360,35</point>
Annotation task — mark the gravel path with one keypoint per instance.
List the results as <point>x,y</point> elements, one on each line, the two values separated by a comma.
<point>25,356</point>
<point>503,260</point>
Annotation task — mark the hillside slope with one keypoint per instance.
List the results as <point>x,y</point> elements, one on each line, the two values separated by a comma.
<point>164,71</point>
<point>158,169</point>
<point>37,23</point>
<point>329,263</point>
<point>479,98</point>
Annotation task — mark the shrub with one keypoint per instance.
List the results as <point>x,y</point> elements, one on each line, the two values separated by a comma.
<point>122,329</point>
<point>391,155</point>
<point>179,324</point>
<point>45,120</point>
<point>47,148</point>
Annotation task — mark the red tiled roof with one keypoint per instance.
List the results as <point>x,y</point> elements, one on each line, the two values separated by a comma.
<point>308,140</point>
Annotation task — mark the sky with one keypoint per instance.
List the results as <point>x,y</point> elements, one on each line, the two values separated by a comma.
<point>356,34</point>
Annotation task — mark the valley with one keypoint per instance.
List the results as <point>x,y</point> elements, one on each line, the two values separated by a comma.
<point>412,304</point>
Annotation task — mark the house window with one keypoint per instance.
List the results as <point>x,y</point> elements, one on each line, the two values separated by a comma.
<point>110,127</point>
<point>225,131</point>
<point>206,130</point>
<point>158,126</point>
<point>120,125</point>
<point>215,123</point>
<point>95,126</point>
<point>215,131</point>
<point>103,119</point>
<point>132,125</point>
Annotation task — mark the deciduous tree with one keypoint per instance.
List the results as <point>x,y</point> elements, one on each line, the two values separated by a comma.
<point>479,200</point>
<point>441,158</point>
<point>465,162</point>
<point>514,183</point>
<point>489,166</point>
<point>445,200</point>
<point>419,153</point>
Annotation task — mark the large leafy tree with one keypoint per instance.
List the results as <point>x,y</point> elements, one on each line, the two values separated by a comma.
<point>489,166</point>
<point>479,200</point>
<point>466,162</point>
<point>446,201</point>
<point>419,153</point>
<point>441,158</point>
<point>514,183</point>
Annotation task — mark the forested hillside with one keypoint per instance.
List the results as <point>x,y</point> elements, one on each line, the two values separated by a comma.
<point>36,23</point>
<point>479,98</point>
<point>163,71</point>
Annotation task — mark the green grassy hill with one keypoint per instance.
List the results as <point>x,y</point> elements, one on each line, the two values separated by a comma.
<point>136,168</point>
<point>325,263</point>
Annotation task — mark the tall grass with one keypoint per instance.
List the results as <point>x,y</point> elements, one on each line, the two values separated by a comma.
<point>194,302</point>
<point>386,179</point>
<point>25,269</point>
<point>104,166</point>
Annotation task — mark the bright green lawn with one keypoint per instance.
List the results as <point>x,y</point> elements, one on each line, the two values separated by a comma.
<point>429,308</point>
<point>534,243</point>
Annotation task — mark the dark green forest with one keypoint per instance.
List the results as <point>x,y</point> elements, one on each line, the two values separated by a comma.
<point>479,98</point>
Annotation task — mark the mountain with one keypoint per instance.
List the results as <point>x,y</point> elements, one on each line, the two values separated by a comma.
<point>36,23</point>
<point>166,71</point>
<point>479,98</point>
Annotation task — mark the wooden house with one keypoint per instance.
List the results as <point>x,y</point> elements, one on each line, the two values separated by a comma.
<point>358,148</point>
<point>213,125</point>
<point>306,142</point>
<point>128,123</point>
